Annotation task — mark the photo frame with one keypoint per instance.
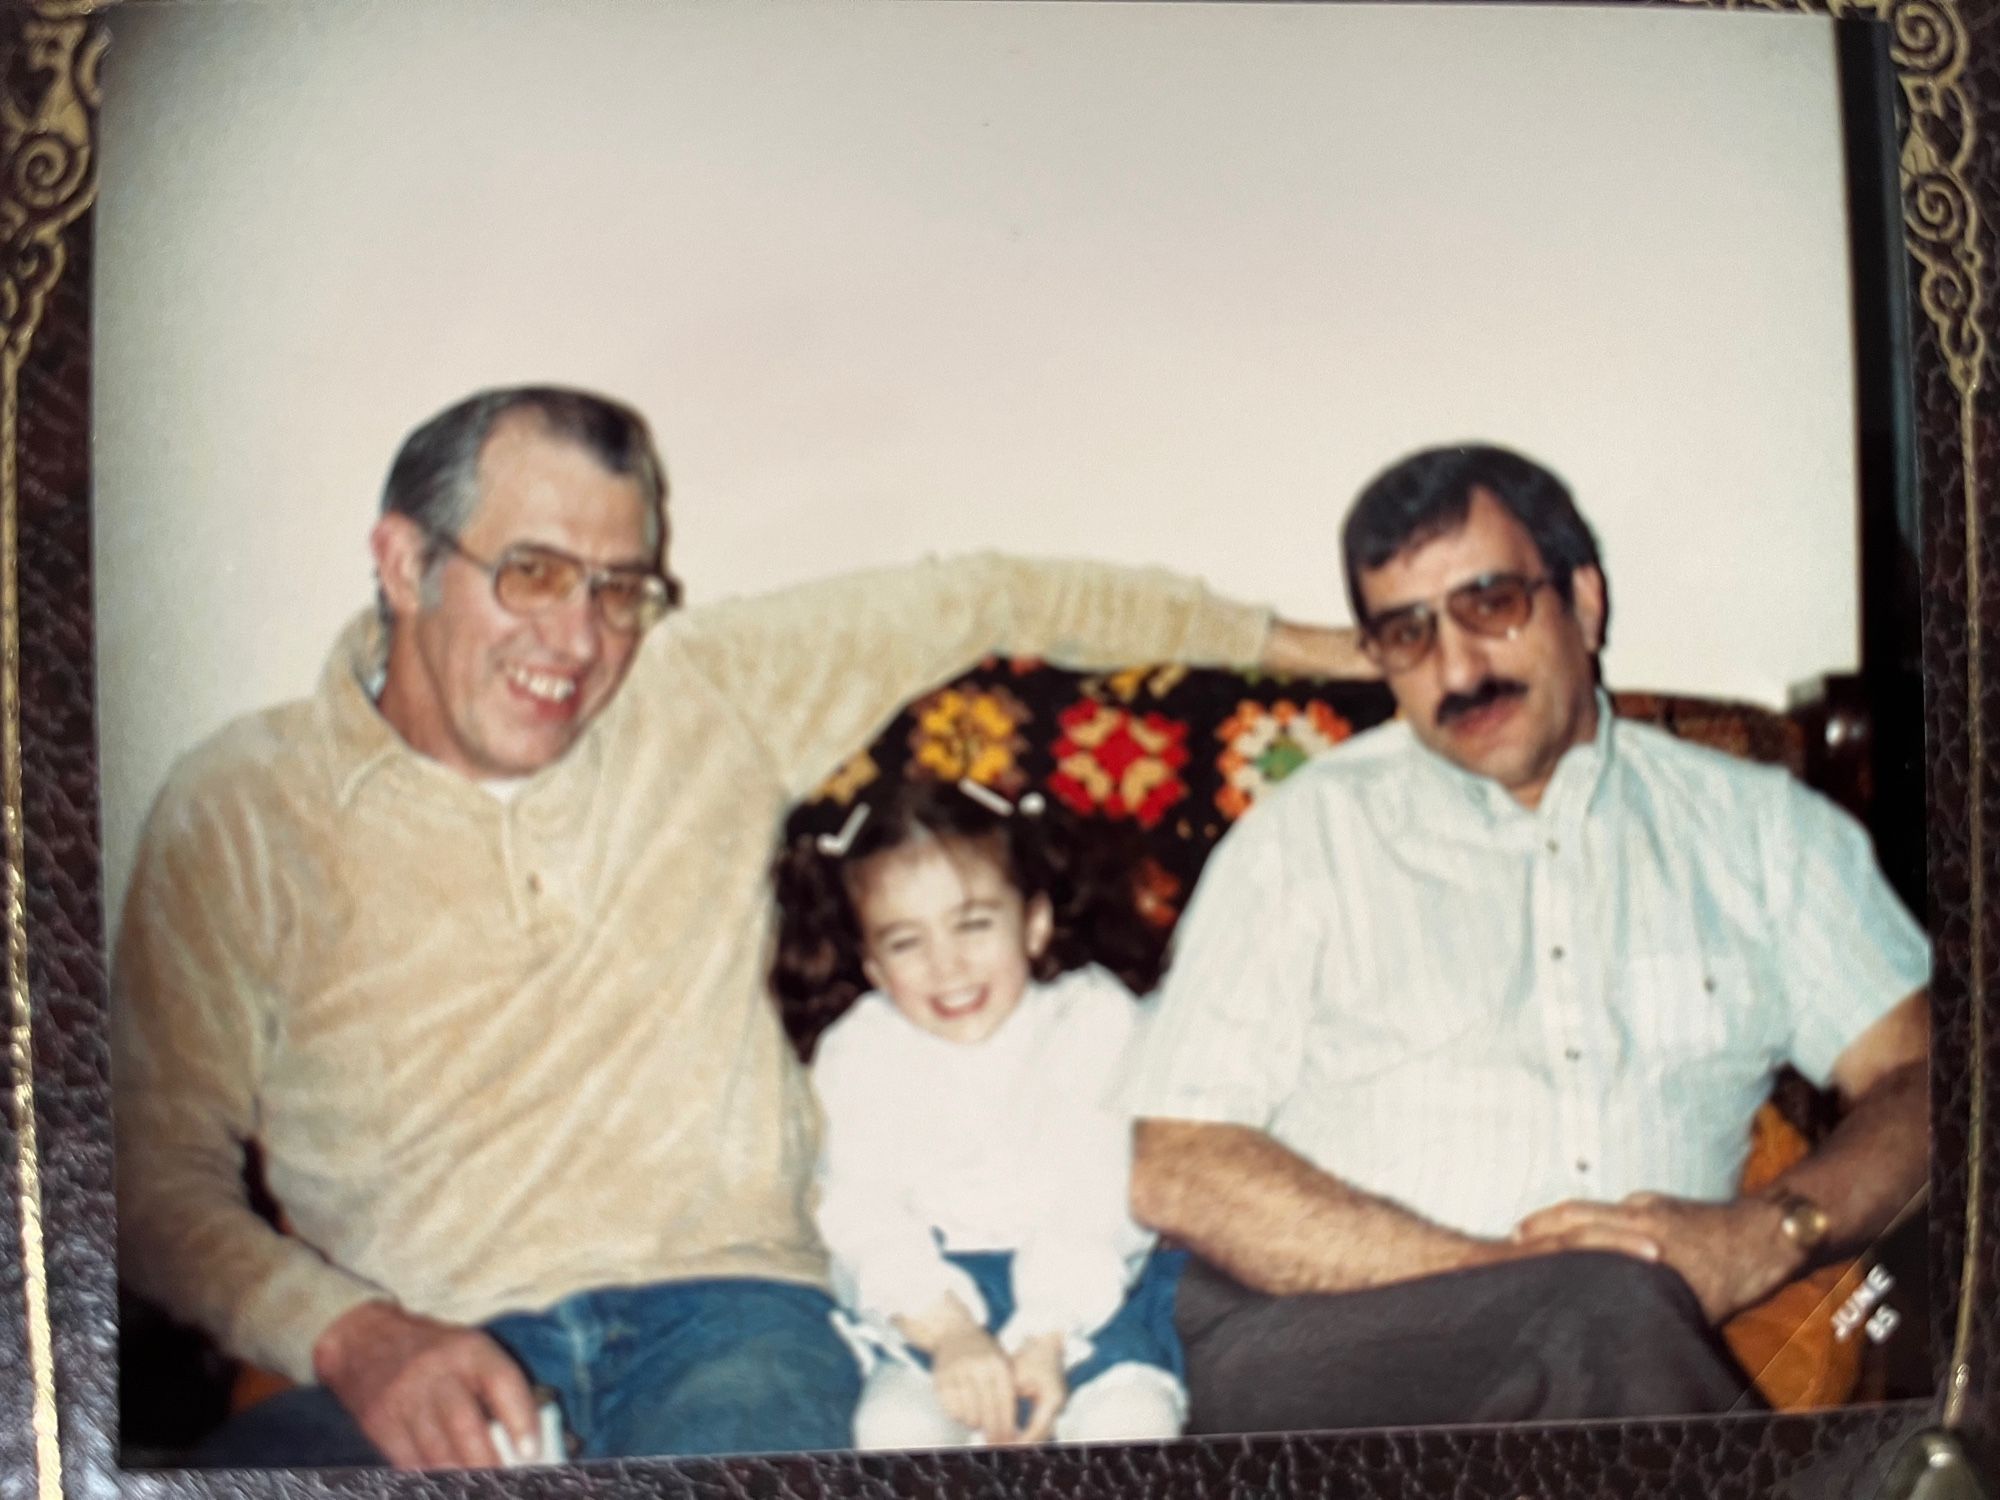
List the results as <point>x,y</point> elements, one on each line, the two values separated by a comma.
<point>59,1359</point>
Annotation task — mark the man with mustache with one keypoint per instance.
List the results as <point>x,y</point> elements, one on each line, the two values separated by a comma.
<point>471,942</point>
<point>1451,1083</point>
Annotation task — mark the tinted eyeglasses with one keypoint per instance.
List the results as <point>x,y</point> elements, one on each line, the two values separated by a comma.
<point>1495,605</point>
<point>529,578</point>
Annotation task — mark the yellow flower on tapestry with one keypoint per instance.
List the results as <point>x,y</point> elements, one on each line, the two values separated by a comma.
<point>970,732</point>
<point>1262,746</point>
<point>844,785</point>
<point>1126,685</point>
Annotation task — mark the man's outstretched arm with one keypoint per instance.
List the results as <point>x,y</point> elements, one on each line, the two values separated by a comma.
<point>1281,1226</point>
<point>894,633</point>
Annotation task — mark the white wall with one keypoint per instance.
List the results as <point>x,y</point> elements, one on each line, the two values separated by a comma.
<point>1155,282</point>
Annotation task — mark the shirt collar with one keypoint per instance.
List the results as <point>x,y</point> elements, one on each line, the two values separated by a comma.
<point>359,740</point>
<point>362,743</point>
<point>1571,790</point>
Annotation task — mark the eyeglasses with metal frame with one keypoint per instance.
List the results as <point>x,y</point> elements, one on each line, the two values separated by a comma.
<point>1493,605</point>
<point>529,579</point>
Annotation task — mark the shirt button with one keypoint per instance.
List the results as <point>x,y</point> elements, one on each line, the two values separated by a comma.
<point>1582,1165</point>
<point>1556,952</point>
<point>534,885</point>
<point>1708,983</point>
<point>1572,1053</point>
<point>1554,847</point>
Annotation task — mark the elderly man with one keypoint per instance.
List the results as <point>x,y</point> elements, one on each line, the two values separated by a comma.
<point>470,945</point>
<point>1496,988</point>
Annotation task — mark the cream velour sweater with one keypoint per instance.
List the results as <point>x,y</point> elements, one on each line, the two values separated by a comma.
<point>496,1053</point>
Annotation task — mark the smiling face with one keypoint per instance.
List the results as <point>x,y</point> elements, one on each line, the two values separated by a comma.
<point>946,935</point>
<point>489,693</point>
<point>1504,708</point>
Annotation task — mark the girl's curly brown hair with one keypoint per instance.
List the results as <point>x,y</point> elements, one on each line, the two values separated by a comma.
<point>1084,870</point>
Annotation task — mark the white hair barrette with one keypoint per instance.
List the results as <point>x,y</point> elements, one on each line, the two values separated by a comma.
<point>836,844</point>
<point>993,802</point>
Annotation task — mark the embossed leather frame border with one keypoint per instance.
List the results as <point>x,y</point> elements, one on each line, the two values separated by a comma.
<point>58,1347</point>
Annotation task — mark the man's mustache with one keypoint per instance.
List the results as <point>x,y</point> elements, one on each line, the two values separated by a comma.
<point>1492,690</point>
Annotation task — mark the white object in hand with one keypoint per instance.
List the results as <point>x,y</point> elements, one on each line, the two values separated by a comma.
<point>545,1448</point>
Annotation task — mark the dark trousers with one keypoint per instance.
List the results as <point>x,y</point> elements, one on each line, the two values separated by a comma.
<point>1553,1338</point>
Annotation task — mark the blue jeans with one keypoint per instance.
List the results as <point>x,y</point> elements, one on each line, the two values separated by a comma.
<point>1141,1332</point>
<point>688,1367</point>
<point>677,1368</point>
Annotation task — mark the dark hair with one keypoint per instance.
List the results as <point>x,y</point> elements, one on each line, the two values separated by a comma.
<point>1428,494</point>
<point>1084,873</point>
<point>435,477</point>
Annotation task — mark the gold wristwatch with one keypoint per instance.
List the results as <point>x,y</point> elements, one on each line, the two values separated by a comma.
<point>1804,1222</point>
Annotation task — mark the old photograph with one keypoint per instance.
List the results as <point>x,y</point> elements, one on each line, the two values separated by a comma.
<point>912,725</point>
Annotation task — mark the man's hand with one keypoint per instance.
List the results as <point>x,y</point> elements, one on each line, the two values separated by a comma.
<point>1618,1238</point>
<point>423,1391</point>
<point>1730,1254</point>
<point>1038,1378</point>
<point>975,1383</point>
<point>1315,651</point>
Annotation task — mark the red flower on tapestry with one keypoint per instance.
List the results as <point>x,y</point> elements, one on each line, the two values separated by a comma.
<point>1262,746</point>
<point>1112,761</point>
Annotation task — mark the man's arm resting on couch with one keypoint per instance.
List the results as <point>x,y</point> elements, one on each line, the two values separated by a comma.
<point>1315,651</point>
<point>1278,1224</point>
<point>1863,1176</point>
<point>1877,1159</point>
<point>898,632</point>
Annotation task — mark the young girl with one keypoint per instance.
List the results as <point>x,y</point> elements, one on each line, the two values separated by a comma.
<point>973,1173</point>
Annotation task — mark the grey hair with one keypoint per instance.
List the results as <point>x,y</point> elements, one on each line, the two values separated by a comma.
<point>434,480</point>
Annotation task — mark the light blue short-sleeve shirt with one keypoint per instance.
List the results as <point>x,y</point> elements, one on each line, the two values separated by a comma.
<point>1476,1009</point>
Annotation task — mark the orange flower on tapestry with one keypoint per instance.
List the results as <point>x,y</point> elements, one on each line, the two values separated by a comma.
<point>1262,746</point>
<point>970,732</point>
<point>1157,892</point>
<point>1112,761</point>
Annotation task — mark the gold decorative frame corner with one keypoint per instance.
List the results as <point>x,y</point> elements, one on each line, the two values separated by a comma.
<point>48,180</point>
